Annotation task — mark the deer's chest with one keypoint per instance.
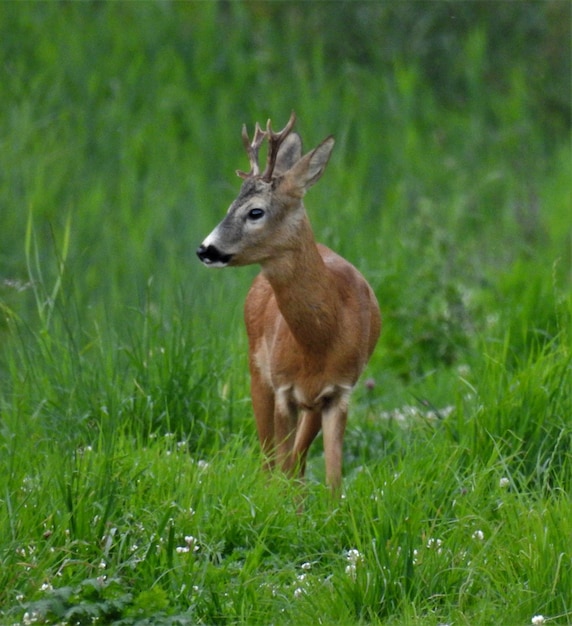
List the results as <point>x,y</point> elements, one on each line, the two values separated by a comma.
<point>304,381</point>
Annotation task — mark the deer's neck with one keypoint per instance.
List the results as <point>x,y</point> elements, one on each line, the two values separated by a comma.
<point>304,291</point>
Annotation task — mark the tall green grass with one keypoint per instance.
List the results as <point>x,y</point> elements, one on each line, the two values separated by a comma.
<point>131,489</point>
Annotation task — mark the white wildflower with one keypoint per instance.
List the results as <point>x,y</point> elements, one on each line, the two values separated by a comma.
<point>192,545</point>
<point>435,544</point>
<point>306,566</point>
<point>464,370</point>
<point>299,592</point>
<point>30,618</point>
<point>192,542</point>
<point>354,556</point>
<point>504,482</point>
<point>46,587</point>
<point>537,620</point>
<point>478,535</point>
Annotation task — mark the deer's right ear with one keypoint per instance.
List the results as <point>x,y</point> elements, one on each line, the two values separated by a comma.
<point>290,152</point>
<point>307,170</point>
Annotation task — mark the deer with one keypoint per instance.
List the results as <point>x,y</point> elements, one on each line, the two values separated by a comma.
<point>311,318</point>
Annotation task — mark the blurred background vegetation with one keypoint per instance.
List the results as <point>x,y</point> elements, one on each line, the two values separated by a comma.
<point>449,186</point>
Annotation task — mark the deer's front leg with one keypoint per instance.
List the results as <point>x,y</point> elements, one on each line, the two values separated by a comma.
<point>285,418</point>
<point>334,419</point>
<point>263,406</point>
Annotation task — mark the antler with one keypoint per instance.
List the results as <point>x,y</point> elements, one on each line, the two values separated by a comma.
<point>252,150</point>
<point>275,140</point>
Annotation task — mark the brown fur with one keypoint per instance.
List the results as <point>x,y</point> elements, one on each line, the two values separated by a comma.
<point>312,319</point>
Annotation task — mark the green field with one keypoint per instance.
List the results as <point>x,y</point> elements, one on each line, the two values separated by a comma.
<point>131,489</point>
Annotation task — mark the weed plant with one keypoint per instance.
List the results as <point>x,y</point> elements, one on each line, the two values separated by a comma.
<point>131,492</point>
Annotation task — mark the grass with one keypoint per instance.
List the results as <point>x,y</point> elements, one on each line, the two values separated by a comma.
<point>132,491</point>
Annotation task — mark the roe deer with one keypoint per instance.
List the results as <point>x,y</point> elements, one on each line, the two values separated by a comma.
<point>312,319</point>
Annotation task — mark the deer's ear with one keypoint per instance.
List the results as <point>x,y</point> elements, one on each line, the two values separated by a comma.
<point>290,152</point>
<point>307,170</point>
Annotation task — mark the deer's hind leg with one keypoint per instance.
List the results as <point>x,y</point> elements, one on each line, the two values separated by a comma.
<point>308,427</point>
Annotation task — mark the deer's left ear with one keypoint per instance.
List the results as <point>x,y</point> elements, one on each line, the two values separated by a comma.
<point>307,170</point>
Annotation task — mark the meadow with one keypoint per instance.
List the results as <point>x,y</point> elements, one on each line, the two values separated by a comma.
<point>131,490</point>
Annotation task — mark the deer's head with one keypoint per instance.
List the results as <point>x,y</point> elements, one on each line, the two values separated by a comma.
<point>263,220</point>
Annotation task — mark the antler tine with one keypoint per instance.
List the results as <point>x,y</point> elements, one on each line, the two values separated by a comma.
<point>252,149</point>
<point>274,142</point>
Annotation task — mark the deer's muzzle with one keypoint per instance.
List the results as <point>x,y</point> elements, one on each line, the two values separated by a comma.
<point>212,256</point>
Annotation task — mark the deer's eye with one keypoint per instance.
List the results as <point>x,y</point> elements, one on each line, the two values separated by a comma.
<point>255,214</point>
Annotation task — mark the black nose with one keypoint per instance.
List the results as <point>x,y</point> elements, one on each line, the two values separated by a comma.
<point>210,254</point>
